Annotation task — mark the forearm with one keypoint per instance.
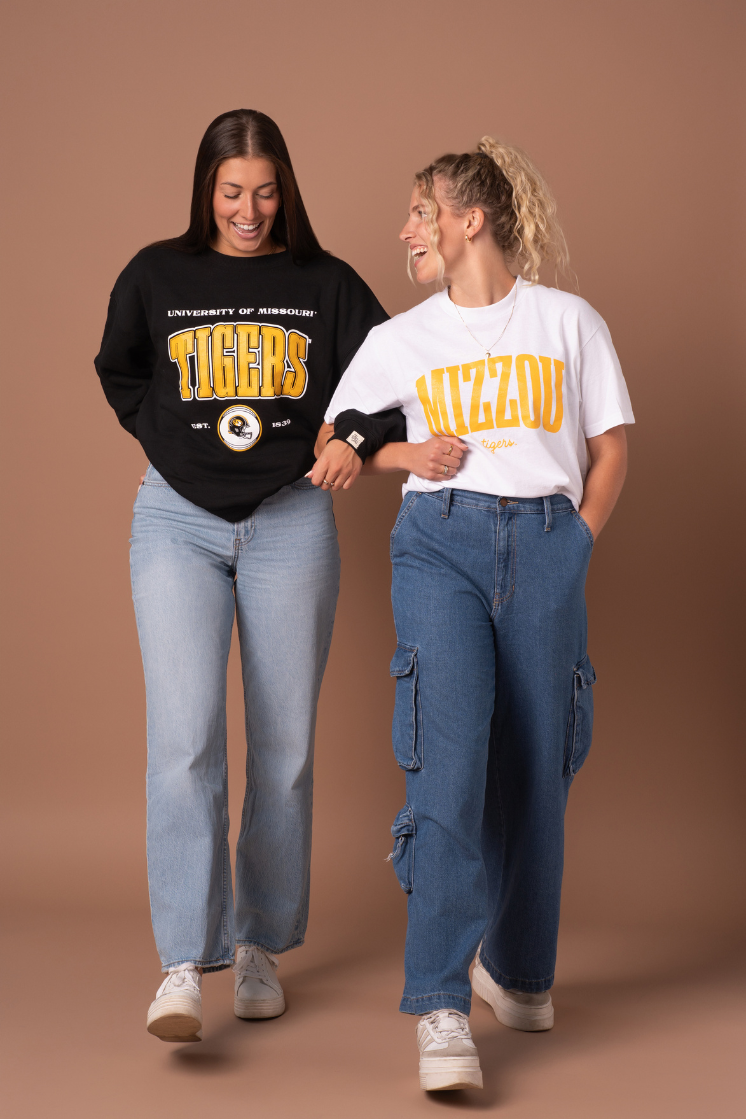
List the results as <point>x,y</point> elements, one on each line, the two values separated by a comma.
<point>390,458</point>
<point>605,479</point>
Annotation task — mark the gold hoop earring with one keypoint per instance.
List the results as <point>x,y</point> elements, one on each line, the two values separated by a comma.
<point>467,238</point>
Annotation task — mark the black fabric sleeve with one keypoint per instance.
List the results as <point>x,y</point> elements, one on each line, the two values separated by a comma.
<point>358,311</point>
<point>126,359</point>
<point>367,434</point>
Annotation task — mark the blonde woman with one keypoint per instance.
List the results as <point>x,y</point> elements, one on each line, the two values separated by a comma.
<point>515,404</point>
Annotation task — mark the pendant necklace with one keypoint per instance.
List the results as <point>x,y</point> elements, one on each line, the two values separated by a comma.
<point>488,352</point>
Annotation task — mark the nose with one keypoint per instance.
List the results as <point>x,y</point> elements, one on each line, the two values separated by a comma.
<point>248,210</point>
<point>406,233</point>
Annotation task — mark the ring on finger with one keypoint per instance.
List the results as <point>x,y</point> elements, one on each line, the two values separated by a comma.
<point>445,469</point>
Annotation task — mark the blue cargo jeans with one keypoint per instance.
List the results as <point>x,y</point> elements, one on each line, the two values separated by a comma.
<point>493,718</point>
<point>277,573</point>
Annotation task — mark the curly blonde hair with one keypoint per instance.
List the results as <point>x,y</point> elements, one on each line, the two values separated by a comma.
<point>517,203</point>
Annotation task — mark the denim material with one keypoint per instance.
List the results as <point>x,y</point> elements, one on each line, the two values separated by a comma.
<point>278,573</point>
<point>492,719</point>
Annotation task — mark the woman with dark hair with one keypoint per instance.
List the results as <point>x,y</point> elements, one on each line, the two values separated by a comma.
<point>221,351</point>
<point>515,405</point>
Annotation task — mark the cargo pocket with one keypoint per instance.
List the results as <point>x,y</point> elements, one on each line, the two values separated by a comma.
<point>402,856</point>
<point>407,727</point>
<point>580,721</point>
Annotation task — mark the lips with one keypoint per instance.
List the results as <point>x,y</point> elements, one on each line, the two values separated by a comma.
<point>245,230</point>
<point>418,251</point>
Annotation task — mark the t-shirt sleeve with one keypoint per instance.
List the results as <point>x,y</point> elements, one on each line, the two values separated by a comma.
<point>358,312</point>
<point>365,385</point>
<point>126,359</point>
<point>604,399</point>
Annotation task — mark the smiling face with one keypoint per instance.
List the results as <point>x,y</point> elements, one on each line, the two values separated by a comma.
<point>452,237</point>
<point>245,201</point>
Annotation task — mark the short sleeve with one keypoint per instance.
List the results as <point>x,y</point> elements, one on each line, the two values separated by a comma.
<point>365,385</point>
<point>604,399</point>
<point>358,311</point>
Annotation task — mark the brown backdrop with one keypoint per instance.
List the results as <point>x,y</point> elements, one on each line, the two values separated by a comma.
<point>630,111</point>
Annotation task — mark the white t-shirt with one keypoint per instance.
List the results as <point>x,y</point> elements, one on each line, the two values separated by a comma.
<point>552,381</point>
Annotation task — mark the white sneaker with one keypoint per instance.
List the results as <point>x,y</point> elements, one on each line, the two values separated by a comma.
<point>517,1009</point>
<point>448,1056</point>
<point>258,993</point>
<point>176,1012</point>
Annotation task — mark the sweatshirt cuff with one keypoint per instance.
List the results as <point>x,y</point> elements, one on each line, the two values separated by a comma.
<point>367,434</point>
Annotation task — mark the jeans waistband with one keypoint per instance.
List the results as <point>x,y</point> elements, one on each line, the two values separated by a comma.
<point>493,502</point>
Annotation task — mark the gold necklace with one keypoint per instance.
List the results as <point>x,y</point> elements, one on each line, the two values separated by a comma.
<point>488,352</point>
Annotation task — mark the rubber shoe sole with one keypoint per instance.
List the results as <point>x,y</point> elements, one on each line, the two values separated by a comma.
<point>518,1017</point>
<point>447,1073</point>
<point>176,1018</point>
<point>259,1008</point>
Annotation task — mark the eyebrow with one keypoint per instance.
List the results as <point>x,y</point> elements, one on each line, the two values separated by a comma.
<point>238,186</point>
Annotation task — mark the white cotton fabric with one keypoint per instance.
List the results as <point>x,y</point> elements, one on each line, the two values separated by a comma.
<point>552,334</point>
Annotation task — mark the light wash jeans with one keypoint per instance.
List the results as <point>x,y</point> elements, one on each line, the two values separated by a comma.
<point>278,572</point>
<point>493,718</point>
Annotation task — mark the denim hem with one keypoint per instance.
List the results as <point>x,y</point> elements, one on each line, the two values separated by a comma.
<point>441,1000</point>
<point>510,983</point>
<point>266,948</point>
<point>211,965</point>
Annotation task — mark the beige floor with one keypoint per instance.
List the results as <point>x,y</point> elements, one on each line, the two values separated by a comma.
<point>646,1028</point>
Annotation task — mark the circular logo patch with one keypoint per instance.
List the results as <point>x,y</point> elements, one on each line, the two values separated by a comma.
<point>239,427</point>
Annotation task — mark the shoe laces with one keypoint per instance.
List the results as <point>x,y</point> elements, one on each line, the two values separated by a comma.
<point>251,962</point>
<point>434,1023</point>
<point>185,977</point>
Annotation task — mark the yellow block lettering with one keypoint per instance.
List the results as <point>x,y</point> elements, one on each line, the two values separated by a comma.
<point>247,351</point>
<point>475,423</point>
<point>204,384</point>
<point>273,360</point>
<point>223,364</point>
<point>295,382</point>
<point>521,362</point>
<point>180,347</point>
<point>552,425</point>
<point>436,411</point>
<point>458,413</point>
<point>501,420</point>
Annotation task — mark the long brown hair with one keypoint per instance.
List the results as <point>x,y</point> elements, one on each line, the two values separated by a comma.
<point>246,134</point>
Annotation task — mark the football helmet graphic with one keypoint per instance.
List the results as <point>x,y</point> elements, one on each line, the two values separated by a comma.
<point>239,427</point>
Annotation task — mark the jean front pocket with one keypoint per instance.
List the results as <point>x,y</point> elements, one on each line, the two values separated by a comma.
<point>580,719</point>
<point>402,856</point>
<point>407,733</point>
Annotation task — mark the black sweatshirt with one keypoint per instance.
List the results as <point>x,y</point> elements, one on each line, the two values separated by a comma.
<point>223,367</point>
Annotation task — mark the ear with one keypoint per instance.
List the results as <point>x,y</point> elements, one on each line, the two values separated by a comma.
<point>474,222</point>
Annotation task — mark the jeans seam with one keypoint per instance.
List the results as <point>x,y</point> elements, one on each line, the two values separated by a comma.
<point>581,524</point>
<point>436,995</point>
<point>403,514</point>
<point>239,544</point>
<point>213,965</point>
<point>225,852</point>
<point>501,599</point>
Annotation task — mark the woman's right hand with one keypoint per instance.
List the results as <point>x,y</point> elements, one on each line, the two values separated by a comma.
<point>435,459</point>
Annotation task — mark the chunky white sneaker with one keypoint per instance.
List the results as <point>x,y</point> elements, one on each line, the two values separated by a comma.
<point>448,1056</point>
<point>176,1012</point>
<point>516,1009</point>
<point>258,993</point>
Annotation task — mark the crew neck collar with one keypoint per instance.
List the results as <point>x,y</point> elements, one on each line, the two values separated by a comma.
<point>268,260</point>
<point>481,312</point>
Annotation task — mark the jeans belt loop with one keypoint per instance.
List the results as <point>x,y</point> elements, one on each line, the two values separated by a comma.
<point>447,491</point>
<point>547,514</point>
